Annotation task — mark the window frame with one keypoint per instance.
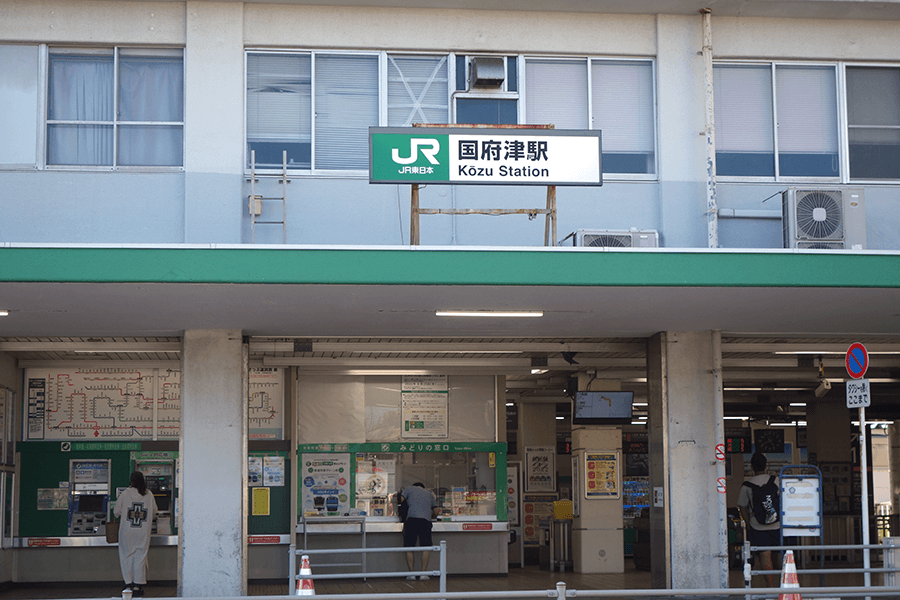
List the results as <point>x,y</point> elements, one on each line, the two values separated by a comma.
<point>589,62</point>
<point>382,98</point>
<point>841,120</point>
<point>844,111</point>
<point>46,122</point>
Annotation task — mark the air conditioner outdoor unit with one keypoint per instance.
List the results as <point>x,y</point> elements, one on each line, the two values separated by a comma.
<point>487,71</point>
<point>824,218</point>
<point>614,239</point>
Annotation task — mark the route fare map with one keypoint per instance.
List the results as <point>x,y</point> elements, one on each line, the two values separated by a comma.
<point>266,401</point>
<point>96,403</point>
<point>103,403</point>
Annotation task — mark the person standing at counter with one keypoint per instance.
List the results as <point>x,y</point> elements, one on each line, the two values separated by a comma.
<point>136,506</point>
<point>417,527</point>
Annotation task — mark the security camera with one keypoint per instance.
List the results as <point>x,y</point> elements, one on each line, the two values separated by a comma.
<point>824,386</point>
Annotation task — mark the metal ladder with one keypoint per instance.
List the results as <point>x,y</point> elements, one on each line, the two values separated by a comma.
<point>255,203</point>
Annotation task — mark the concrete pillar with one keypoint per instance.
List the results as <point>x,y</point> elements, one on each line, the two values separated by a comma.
<point>681,97</point>
<point>688,533</point>
<point>212,546</point>
<point>597,538</point>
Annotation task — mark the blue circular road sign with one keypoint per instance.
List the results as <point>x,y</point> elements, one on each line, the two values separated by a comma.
<point>857,360</point>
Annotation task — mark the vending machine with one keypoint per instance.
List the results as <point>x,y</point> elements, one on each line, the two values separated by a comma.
<point>160,478</point>
<point>88,496</point>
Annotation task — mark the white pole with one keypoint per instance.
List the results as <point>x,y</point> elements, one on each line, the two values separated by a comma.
<point>864,479</point>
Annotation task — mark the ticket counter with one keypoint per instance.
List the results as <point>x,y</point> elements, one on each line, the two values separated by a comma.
<point>348,499</point>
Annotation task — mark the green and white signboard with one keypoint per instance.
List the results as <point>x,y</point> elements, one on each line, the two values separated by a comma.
<point>484,156</point>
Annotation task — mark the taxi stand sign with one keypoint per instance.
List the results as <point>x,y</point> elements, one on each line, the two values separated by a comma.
<point>485,156</point>
<point>858,395</point>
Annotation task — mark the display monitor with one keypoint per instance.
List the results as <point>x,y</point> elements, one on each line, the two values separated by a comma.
<point>602,408</point>
<point>91,503</point>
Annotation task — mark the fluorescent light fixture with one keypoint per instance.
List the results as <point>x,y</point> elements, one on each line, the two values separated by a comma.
<point>538,371</point>
<point>560,418</point>
<point>510,403</point>
<point>639,404</point>
<point>736,418</point>
<point>798,404</point>
<point>4,313</point>
<point>791,424</point>
<point>639,422</point>
<point>489,313</point>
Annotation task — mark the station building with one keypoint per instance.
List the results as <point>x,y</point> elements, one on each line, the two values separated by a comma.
<point>200,281</point>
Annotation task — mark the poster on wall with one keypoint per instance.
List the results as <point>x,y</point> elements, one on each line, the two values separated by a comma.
<point>536,508</point>
<point>601,474</point>
<point>266,403</point>
<point>424,406</point>
<point>513,508</point>
<point>325,489</point>
<point>540,469</point>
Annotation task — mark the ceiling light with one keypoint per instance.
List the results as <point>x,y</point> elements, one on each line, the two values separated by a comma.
<point>489,313</point>
<point>4,313</point>
<point>560,418</point>
<point>510,403</point>
<point>639,404</point>
<point>538,371</point>
<point>736,418</point>
<point>798,403</point>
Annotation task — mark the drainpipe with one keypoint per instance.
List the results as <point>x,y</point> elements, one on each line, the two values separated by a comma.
<point>712,210</point>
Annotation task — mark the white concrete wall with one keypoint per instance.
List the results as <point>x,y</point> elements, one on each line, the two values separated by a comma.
<point>207,201</point>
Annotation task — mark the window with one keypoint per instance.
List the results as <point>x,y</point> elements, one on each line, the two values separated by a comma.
<point>487,106</point>
<point>615,96</point>
<point>776,121</point>
<point>115,108</point>
<point>873,121</point>
<point>328,129</point>
<point>19,85</point>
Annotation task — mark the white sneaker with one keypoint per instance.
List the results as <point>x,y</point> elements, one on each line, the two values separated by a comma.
<point>424,578</point>
<point>411,578</point>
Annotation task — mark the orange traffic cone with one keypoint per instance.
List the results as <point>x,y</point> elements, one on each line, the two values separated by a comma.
<point>789,577</point>
<point>305,585</point>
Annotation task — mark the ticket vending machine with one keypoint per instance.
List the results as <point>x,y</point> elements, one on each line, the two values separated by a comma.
<point>160,478</point>
<point>88,496</point>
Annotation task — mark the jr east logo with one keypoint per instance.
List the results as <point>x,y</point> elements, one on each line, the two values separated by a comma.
<point>410,157</point>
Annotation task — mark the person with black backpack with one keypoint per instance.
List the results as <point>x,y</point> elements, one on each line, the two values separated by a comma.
<point>760,506</point>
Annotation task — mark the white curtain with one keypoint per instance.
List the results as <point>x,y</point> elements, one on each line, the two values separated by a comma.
<point>81,89</point>
<point>82,110</point>
<point>19,99</point>
<point>150,90</point>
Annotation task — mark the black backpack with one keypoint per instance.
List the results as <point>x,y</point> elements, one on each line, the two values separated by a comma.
<point>765,502</point>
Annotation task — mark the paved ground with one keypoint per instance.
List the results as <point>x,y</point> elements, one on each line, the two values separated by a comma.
<point>529,578</point>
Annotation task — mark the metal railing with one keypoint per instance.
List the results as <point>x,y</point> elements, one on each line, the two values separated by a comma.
<point>562,592</point>
<point>888,567</point>
<point>441,572</point>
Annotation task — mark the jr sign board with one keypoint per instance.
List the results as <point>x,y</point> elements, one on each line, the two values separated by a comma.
<point>484,156</point>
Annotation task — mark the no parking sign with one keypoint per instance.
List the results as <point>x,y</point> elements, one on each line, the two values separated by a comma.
<point>857,360</point>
